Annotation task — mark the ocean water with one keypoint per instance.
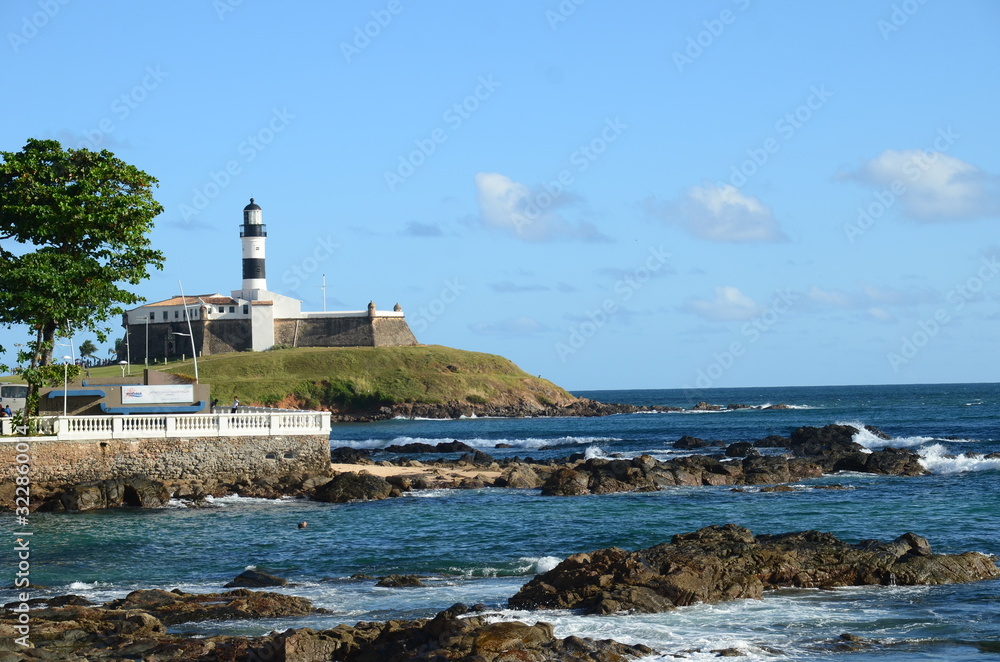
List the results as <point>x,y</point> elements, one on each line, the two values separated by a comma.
<point>480,546</point>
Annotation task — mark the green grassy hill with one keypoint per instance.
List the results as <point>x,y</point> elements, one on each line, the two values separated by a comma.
<point>363,379</point>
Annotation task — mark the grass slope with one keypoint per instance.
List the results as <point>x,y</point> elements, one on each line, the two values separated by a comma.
<point>356,379</point>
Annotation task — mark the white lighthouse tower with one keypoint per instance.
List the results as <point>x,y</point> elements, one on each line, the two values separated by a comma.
<point>253,233</point>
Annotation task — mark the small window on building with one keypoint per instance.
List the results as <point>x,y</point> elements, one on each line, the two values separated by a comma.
<point>221,309</point>
<point>232,309</point>
<point>246,310</point>
<point>177,314</point>
<point>164,316</point>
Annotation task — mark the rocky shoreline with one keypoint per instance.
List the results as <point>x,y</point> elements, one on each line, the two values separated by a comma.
<point>582,407</point>
<point>774,461</point>
<point>713,564</point>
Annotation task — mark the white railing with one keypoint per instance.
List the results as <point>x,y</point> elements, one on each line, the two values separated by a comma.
<point>145,426</point>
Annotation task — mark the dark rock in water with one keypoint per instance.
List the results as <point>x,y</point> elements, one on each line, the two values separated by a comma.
<point>477,458</point>
<point>720,563</point>
<point>120,632</point>
<point>566,482</point>
<point>449,636</point>
<point>255,579</point>
<point>172,607</point>
<point>687,443</point>
<point>895,462</point>
<point>741,449</point>
<point>348,455</point>
<point>827,440</point>
<point>66,600</point>
<point>420,447</point>
<point>704,406</point>
<point>136,491</point>
<point>778,406</point>
<point>350,486</point>
<point>878,433</point>
<point>733,407</point>
<point>760,470</point>
<point>399,581</point>
<point>773,441</point>
<point>503,444</point>
<point>519,476</point>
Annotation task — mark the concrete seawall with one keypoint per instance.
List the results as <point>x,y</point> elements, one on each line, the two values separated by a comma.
<point>224,459</point>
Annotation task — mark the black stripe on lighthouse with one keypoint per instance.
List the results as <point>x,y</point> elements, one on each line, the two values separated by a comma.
<point>253,267</point>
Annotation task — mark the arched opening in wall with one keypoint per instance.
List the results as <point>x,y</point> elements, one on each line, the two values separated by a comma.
<point>271,456</point>
<point>130,497</point>
<point>289,456</point>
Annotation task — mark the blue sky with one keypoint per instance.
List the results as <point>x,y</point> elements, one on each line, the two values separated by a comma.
<point>613,195</point>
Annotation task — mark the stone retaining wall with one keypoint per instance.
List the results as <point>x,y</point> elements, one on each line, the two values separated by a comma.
<point>224,459</point>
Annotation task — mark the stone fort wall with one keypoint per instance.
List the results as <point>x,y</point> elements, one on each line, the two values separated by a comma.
<point>225,459</point>
<point>233,335</point>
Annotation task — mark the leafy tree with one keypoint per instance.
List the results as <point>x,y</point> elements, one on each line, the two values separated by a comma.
<point>87,349</point>
<point>74,228</point>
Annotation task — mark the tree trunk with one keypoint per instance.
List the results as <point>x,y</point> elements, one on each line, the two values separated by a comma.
<point>48,341</point>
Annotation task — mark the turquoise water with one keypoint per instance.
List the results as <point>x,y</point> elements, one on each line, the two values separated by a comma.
<point>481,545</point>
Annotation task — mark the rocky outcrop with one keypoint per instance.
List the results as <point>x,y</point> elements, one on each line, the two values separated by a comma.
<point>89,633</point>
<point>350,486</point>
<point>136,491</point>
<point>175,606</point>
<point>399,581</point>
<point>720,563</point>
<point>440,447</point>
<point>256,579</point>
<point>815,451</point>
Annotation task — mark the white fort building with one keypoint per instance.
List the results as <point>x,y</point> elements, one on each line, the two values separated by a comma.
<point>254,318</point>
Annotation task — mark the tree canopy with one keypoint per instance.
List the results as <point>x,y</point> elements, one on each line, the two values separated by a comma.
<point>74,228</point>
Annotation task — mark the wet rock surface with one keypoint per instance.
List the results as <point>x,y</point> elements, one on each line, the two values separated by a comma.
<point>126,631</point>
<point>720,563</point>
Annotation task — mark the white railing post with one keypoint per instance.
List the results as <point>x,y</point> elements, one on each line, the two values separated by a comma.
<point>170,427</point>
<point>117,427</point>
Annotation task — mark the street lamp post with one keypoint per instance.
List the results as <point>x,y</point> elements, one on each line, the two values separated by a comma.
<point>190,333</point>
<point>123,364</point>
<point>194,353</point>
<point>66,360</point>
<point>146,318</point>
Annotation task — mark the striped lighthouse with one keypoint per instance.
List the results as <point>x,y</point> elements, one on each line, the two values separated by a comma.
<point>253,232</point>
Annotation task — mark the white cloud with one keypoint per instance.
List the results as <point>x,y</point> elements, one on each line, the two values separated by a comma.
<point>527,214</point>
<point>728,304</point>
<point>720,213</point>
<point>931,186</point>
